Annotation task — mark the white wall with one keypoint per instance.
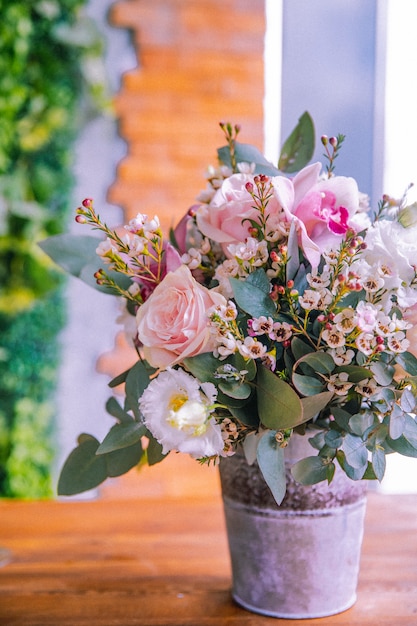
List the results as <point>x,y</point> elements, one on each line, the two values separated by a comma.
<point>91,328</point>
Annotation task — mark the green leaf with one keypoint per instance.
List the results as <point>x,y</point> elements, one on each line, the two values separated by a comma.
<point>279,407</point>
<point>137,381</point>
<point>71,252</point>
<point>76,254</point>
<point>383,373</point>
<point>83,469</point>
<point>114,409</point>
<point>203,367</point>
<point>379,462</point>
<point>320,362</point>
<point>300,348</point>
<point>402,446</point>
<point>119,462</point>
<point>246,153</point>
<point>355,372</point>
<point>397,422</point>
<point>408,401</point>
<point>361,422</point>
<point>119,379</point>
<point>154,451</point>
<point>408,361</point>
<point>293,255</point>
<point>298,149</point>
<point>355,450</point>
<point>333,439</point>
<point>122,436</point>
<point>271,462</point>
<point>314,404</point>
<point>307,385</point>
<point>260,280</point>
<point>365,472</point>
<point>234,389</point>
<point>312,470</point>
<point>251,299</point>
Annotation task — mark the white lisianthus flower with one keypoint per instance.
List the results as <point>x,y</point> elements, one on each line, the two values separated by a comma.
<point>177,410</point>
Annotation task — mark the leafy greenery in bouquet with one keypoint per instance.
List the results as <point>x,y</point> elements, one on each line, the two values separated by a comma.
<point>280,305</point>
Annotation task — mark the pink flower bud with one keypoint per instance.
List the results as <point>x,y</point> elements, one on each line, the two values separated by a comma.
<point>249,187</point>
<point>80,219</point>
<point>333,142</point>
<point>87,203</point>
<point>324,140</point>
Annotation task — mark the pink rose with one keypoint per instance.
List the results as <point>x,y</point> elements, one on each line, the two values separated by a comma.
<point>223,220</point>
<point>172,323</point>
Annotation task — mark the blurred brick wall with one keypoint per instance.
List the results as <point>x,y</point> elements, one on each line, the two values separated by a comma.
<point>199,62</point>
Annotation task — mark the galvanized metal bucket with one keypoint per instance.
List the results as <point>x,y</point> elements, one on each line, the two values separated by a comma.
<point>298,560</point>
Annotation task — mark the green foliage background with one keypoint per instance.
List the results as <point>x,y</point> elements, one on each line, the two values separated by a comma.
<point>45,94</point>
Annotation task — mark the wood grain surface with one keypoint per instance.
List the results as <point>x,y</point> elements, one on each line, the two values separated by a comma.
<point>163,561</point>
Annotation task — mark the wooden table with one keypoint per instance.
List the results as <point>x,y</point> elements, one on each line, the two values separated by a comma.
<point>155,561</point>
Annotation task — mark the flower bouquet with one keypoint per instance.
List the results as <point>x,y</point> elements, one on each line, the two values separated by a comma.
<point>281,304</point>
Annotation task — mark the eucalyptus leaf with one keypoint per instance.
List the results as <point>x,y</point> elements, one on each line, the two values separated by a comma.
<point>203,367</point>
<point>356,373</point>
<point>137,380</point>
<point>122,436</point>
<point>402,446</point>
<point>383,373</point>
<point>251,299</point>
<point>355,450</point>
<point>260,280</point>
<point>237,390</point>
<point>71,252</point>
<point>310,470</point>
<point>298,149</point>
<point>114,409</point>
<point>279,406</point>
<point>307,385</point>
<point>300,348</point>
<point>379,462</point>
<point>250,447</point>
<point>119,462</point>
<point>246,153</point>
<point>271,461</point>
<point>312,405</point>
<point>320,362</point>
<point>154,452</point>
<point>83,470</point>
<point>408,401</point>
<point>361,422</point>
<point>293,254</point>
<point>397,422</point>
<point>333,439</point>
<point>352,472</point>
<point>407,361</point>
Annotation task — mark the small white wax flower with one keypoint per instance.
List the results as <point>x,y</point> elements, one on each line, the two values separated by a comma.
<point>345,321</point>
<point>334,337</point>
<point>398,342</point>
<point>366,387</point>
<point>310,299</point>
<point>252,349</point>
<point>339,384</point>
